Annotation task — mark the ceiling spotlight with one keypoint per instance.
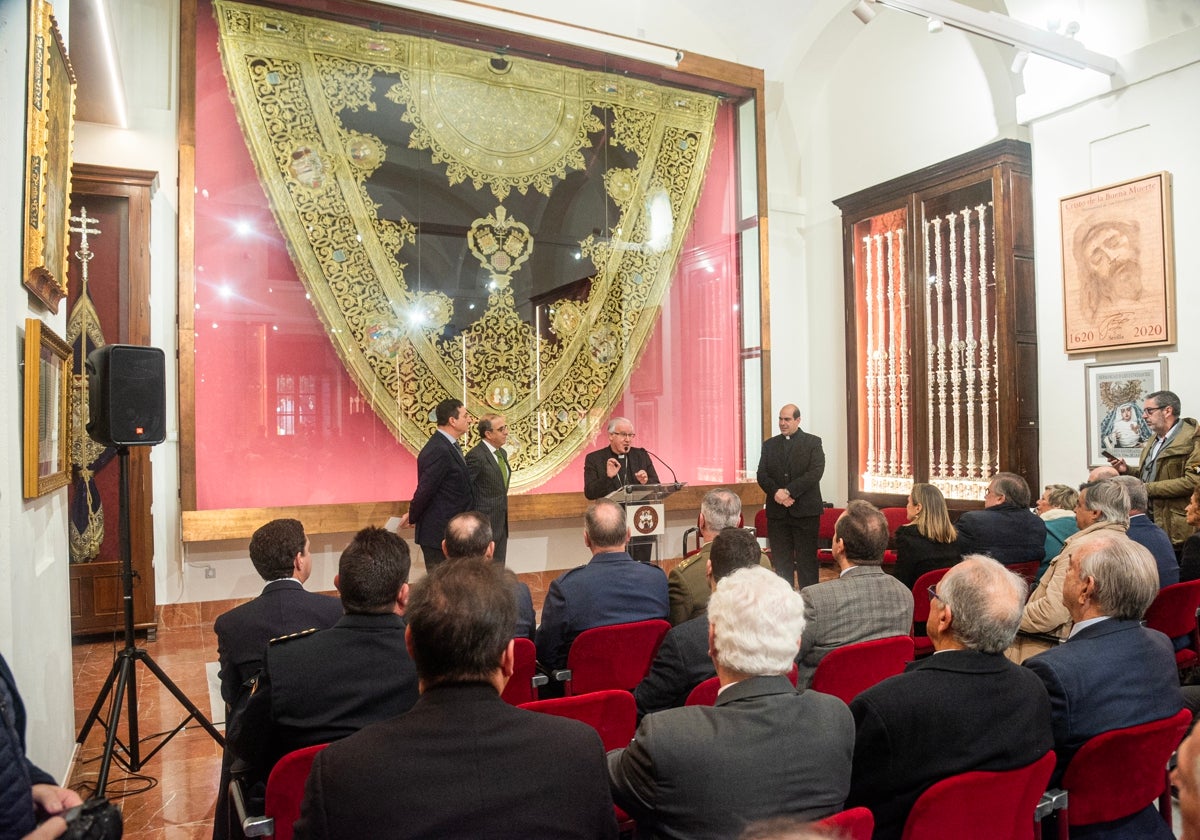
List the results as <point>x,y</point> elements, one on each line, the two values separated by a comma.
<point>863,11</point>
<point>935,26</point>
<point>1018,63</point>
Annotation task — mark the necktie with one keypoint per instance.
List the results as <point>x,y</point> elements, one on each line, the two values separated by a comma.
<point>502,460</point>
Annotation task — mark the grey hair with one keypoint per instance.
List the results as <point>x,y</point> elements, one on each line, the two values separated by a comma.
<point>1062,496</point>
<point>722,508</point>
<point>1012,487</point>
<point>986,601</point>
<point>1124,573</point>
<point>612,424</point>
<point>756,619</point>
<point>1166,399</point>
<point>1139,499</point>
<point>1110,498</point>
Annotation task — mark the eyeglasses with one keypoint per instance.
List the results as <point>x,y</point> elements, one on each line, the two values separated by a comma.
<point>1150,409</point>
<point>933,594</point>
<point>629,435</point>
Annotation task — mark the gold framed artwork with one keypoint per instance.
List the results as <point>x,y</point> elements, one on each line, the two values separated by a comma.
<point>49,126</point>
<point>1118,271</point>
<point>47,383</point>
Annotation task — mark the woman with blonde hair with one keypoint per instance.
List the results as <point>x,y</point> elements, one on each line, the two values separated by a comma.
<point>928,541</point>
<point>1056,507</point>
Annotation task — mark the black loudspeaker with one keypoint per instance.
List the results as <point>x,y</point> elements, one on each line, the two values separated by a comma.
<point>127,395</point>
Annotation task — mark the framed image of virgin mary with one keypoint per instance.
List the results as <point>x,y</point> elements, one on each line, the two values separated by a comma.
<point>1115,393</point>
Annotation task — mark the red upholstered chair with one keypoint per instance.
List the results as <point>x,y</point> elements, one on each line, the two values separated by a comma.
<point>611,713</point>
<point>1119,773</point>
<point>1174,613</point>
<point>616,656</point>
<point>760,524</point>
<point>982,805</point>
<point>285,789</point>
<point>1029,572</point>
<point>845,671</point>
<point>921,644</point>
<point>853,823</point>
<point>523,686</point>
<point>829,518</point>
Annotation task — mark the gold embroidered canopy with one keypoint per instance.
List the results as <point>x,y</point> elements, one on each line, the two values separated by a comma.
<point>494,228</point>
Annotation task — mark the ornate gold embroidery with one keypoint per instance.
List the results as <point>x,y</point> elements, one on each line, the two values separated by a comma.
<point>331,111</point>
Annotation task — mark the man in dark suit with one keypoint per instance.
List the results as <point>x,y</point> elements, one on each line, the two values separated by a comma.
<point>764,749</point>
<point>320,686</point>
<point>682,661</point>
<point>443,481</point>
<point>615,466</point>
<point>1142,530</point>
<point>1111,672</point>
<point>469,537</point>
<point>789,472</point>
<point>612,588</point>
<point>1006,529</point>
<point>487,463</point>
<point>964,708</point>
<point>279,552</point>
<point>462,763</point>
<point>863,602</point>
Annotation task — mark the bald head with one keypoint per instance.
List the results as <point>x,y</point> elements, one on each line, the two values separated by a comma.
<point>604,527</point>
<point>986,601</point>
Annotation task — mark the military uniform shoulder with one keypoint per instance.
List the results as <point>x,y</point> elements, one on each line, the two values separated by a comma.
<point>298,635</point>
<point>687,562</point>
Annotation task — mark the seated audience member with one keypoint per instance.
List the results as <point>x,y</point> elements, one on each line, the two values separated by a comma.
<point>1103,508</point>
<point>1112,672</point>
<point>612,588</point>
<point>764,749</point>
<point>469,537</point>
<point>929,541</point>
<point>320,686</point>
<point>682,661</point>
<point>279,552</point>
<point>1189,562</point>
<point>687,584</point>
<point>28,794</point>
<point>1186,779</point>
<point>1100,473</point>
<point>863,602</point>
<point>1143,531</point>
<point>964,708</point>
<point>462,763</point>
<point>1056,507</point>
<point>1005,529</point>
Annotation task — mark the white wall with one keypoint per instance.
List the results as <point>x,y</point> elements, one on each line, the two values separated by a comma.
<point>34,614</point>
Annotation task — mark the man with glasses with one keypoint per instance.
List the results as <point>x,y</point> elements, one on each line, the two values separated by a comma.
<point>964,708</point>
<point>615,466</point>
<point>789,472</point>
<point>490,473</point>
<point>1170,464</point>
<point>1006,528</point>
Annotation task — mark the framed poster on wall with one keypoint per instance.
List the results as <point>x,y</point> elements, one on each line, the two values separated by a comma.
<point>1115,393</point>
<point>1118,272</point>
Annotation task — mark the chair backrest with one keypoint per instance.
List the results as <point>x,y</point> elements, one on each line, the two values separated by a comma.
<point>1173,611</point>
<point>982,804</point>
<point>285,788</point>
<point>1026,570</point>
<point>829,518</point>
<point>853,823</point>
<point>1120,772</point>
<point>611,713</point>
<point>520,687</point>
<point>616,656</point>
<point>921,594</point>
<point>846,671</point>
<point>705,694</point>
<point>760,523</point>
<point>895,516</point>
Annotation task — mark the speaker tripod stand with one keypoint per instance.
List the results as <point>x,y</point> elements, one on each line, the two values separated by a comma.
<point>123,675</point>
